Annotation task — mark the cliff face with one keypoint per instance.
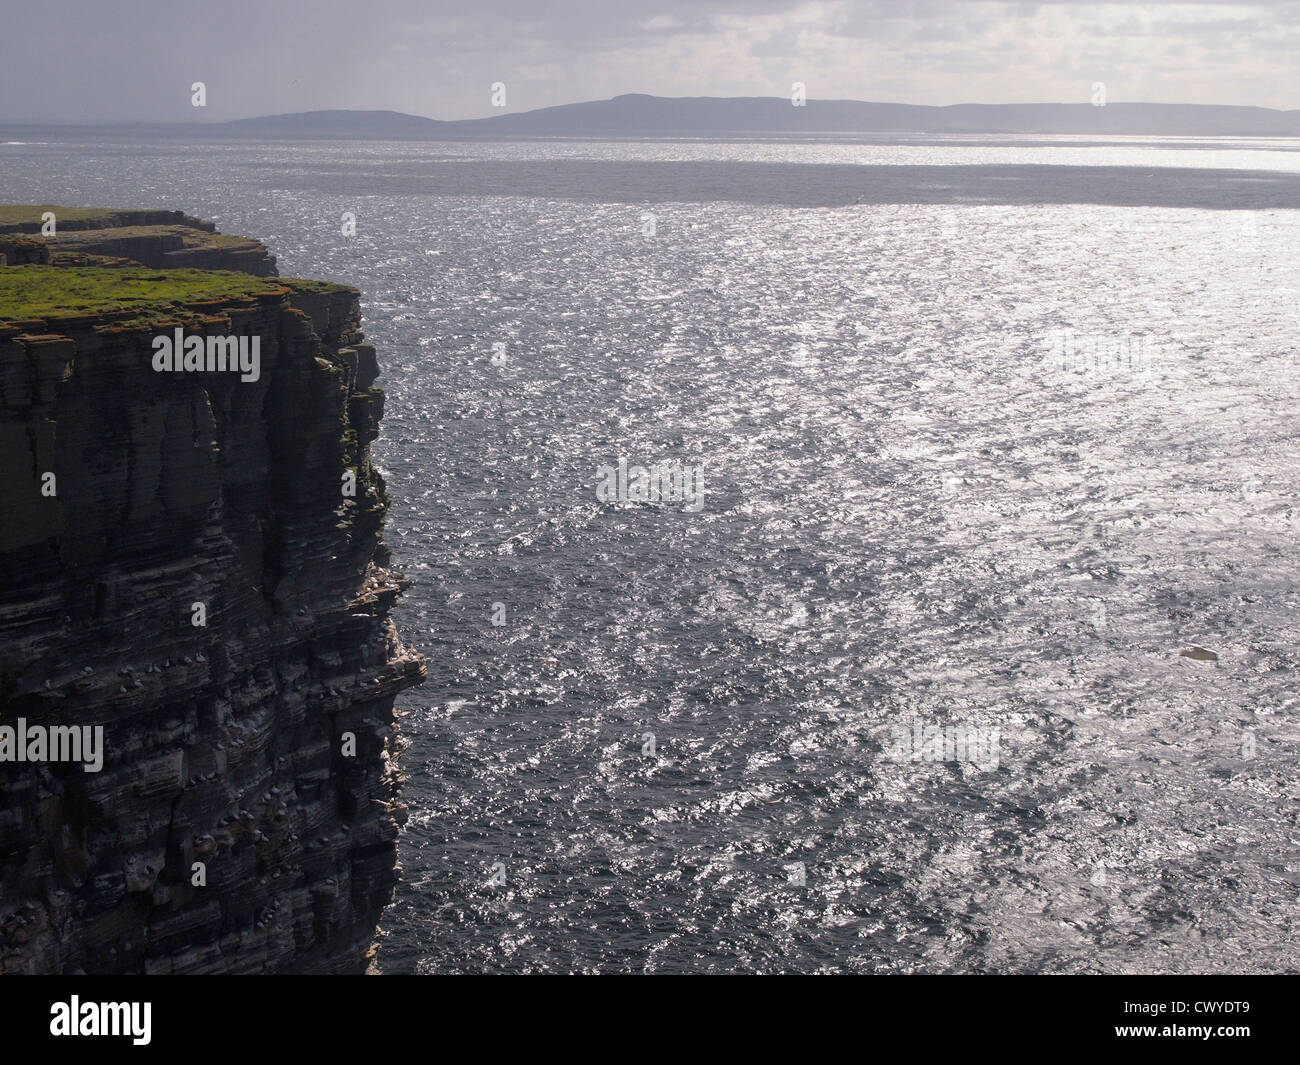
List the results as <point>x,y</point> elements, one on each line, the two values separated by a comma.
<point>196,579</point>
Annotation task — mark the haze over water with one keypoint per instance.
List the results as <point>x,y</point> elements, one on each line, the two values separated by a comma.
<point>913,513</point>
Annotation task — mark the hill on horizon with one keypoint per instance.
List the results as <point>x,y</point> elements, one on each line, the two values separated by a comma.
<point>639,114</point>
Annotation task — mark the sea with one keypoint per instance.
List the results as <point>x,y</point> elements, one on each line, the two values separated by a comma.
<point>808,537</point>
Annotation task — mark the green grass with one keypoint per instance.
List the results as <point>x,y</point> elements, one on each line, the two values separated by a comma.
<point>18,213</point>
<point>190,237</point>
<point>128,296</point>
<point>132,296</point>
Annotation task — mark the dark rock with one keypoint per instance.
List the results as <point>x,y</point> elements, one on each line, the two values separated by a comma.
<point>172,489</point>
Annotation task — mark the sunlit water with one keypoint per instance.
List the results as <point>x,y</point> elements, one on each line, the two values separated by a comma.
<point>915,511</point>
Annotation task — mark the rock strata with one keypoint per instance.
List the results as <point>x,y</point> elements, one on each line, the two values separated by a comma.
<point>183,564</point>
<point>158,239</point>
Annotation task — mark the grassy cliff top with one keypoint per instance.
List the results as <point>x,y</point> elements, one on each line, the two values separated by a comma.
<point>27,218</point>
<point>190,237</point>
<point>18,213</point>
<point>88,271</point>
<point>129,296</point>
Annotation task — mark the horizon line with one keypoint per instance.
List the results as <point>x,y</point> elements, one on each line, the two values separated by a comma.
<point>610,99</point>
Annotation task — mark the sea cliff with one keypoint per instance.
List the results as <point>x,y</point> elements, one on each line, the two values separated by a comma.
<point>193,562</point>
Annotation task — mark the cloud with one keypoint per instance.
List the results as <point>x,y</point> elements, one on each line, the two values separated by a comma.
<point>68,61</point>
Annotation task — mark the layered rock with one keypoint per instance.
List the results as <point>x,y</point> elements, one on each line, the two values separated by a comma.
<point>158,239</point>
<point>22,251</point>
<point>196,579</point>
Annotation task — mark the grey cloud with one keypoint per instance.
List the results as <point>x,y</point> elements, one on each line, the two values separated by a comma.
<point>73,61</point>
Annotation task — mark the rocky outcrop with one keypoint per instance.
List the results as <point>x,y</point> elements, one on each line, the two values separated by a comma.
<point>194,562</point>
<point>158,239</point>
<point>28,218</point>
<point>22,251</point>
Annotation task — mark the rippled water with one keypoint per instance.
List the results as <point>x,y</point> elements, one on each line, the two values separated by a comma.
<point>913,514</point>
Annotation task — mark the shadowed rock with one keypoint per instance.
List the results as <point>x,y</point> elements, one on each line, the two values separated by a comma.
<point>224,742</point>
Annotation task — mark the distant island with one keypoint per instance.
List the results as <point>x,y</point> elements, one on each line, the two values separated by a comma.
<point>641,115</point>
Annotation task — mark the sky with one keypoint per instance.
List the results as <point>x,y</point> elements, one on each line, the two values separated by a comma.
<point>116,60</point>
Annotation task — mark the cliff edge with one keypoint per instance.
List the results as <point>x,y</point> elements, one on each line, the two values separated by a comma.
<point>194,593</point>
